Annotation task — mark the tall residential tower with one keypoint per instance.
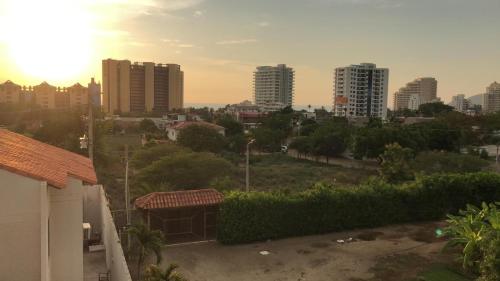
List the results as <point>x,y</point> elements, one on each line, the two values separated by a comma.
<point>274,86</point>
<point>491,99</point>
<point>422,89</point>
<point>141,87</point>
<point>361,91</point>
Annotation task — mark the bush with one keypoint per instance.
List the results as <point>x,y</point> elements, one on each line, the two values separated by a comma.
<point>257,216</point>
<point>431,162</point>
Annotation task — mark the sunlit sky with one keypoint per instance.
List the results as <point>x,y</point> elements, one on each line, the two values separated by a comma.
<point>220,42</point>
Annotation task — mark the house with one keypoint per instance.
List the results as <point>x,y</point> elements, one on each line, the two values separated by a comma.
<point>174,129</point>
<point>41,210</point>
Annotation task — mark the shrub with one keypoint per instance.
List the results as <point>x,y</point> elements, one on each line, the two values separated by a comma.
<point>257,216</point>
<point>431,162</point>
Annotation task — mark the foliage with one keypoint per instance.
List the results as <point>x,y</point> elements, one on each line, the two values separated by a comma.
<point>434,109</point>
<point>257,216</point>
<point>146,156</point>
<point>232,126</point>
<point>147,242</point>
<point>201,138</point>
<point>148,126</point>
<point>183,171</point>
<point>155,273</point>
<point>267,139</point>
<point>430,162</point>
<point>477,232</point>
<point>395,165</point>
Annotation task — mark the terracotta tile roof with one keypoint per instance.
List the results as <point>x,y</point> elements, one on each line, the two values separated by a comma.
<point>179,199</point>
<point>28,157</point>
<point>185,124</point>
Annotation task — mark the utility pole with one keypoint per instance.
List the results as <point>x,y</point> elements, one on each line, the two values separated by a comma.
<point>127,197</point>
<point>247,180</point>
<point>91,130</point>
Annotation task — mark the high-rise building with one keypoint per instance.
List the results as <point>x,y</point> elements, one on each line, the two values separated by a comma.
<point>361,91</point>
<point>425,88</point>
<point>94,92</point>
<point>460,103</point>
<point>274,86</point>
<point>10,92</point>
<point>491,99</point>
<point>141,87</point>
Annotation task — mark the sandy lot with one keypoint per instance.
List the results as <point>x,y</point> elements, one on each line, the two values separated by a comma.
<point>394,253</point>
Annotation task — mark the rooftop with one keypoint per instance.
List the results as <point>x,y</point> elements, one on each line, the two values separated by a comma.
<point>179,199</point>
<point>185,124</point>
<point>28,157</point>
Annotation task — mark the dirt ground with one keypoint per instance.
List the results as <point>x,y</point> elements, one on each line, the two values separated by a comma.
<point>390,253</point>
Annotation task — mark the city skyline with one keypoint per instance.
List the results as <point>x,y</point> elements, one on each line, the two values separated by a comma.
<point>219,47</point>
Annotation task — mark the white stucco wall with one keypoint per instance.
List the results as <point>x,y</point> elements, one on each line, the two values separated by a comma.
<point>20,227</point>
<point>92,207</point>
<point>66,232</point>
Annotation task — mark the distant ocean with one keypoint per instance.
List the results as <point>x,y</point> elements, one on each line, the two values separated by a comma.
<point>328,107</point>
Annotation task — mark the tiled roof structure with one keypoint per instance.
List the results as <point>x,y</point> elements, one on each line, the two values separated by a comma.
<point>179,199</point>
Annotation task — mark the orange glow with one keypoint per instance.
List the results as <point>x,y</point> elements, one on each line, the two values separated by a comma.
<point>48,40</point>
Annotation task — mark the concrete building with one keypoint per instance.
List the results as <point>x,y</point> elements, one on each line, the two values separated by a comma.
<point>460,103</point>
<point>414,102</point>
<point>41,210</point>
<point>10,92</point>
<point>424,88</point>
<point>491,99</point>
<point>274,86</point>
<point>141,87</point>
<point>361,91</point>
<point>94,90</point>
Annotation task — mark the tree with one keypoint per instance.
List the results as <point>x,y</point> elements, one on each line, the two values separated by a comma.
<point>148,242</point>
<point>183,171</point>
<point>303,145</point>
<point>395,165</point>
<point>146,156</point>
<point>155,273</point>
<point>431,162</point>
<point>201,138</point>
<point>434,109</point>
<point>148,126</point>
<point>268,139</point>
<point>232,126</point>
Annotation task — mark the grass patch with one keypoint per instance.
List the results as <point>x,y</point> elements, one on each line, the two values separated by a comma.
<point>441,273</point>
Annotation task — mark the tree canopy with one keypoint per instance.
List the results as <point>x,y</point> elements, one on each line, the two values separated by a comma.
<point>201,138</point>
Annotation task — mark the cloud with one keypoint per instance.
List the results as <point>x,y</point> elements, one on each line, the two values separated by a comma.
<point>198,14</point>
<point>263,24</point>
<point>376,3</point>
<point>236,42</point>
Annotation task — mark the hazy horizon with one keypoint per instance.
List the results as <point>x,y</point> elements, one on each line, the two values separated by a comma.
<point>219,43</point>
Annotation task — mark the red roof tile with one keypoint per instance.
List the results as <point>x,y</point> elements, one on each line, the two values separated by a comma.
<point>28,157</point>
<point>179,199</point>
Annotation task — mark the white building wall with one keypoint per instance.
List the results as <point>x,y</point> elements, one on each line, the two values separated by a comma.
<point>19,228</point>
<point>66,232</point>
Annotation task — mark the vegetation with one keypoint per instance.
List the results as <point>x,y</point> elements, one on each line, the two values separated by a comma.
<point>395,166</point>
<point>147,242</point>
<point>477,232</point>
<point>247,217</point>
<point>430,162</point>
<point>155,273</point>
<point>201,138</point>
<point>183,171</point>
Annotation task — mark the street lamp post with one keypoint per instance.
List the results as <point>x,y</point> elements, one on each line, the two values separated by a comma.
<point>247,185</point>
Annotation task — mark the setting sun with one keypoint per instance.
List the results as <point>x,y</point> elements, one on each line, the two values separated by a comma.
<point>48,40</point>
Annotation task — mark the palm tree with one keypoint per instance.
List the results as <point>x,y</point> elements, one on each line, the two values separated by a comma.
<point>155,273</point>
<point>149,241</point>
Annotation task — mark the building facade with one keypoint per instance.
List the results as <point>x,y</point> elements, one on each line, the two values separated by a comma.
<point>94,90</point>
<point>491,99</point>
<point>361,91</point>
<point>460,103</point>
<point>424,88</point>
<point>45,95</point>
<point>141,87</point>
<point>274,85</point>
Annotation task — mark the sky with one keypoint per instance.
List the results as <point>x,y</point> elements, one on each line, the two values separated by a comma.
<point>219,43</point>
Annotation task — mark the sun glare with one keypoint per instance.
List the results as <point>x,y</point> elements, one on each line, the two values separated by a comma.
<point>50,39</point>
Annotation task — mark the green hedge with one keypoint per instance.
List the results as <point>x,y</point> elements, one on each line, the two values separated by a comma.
<point>258,216</point>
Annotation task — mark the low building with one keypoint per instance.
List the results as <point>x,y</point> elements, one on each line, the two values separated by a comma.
<point>41,210</point>
<point>174,129</point>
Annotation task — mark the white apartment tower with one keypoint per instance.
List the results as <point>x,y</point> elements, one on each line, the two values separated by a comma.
<point>425,88</point>
<point>141,87</point>
<point>361,91</point>
<point>274,86</point>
